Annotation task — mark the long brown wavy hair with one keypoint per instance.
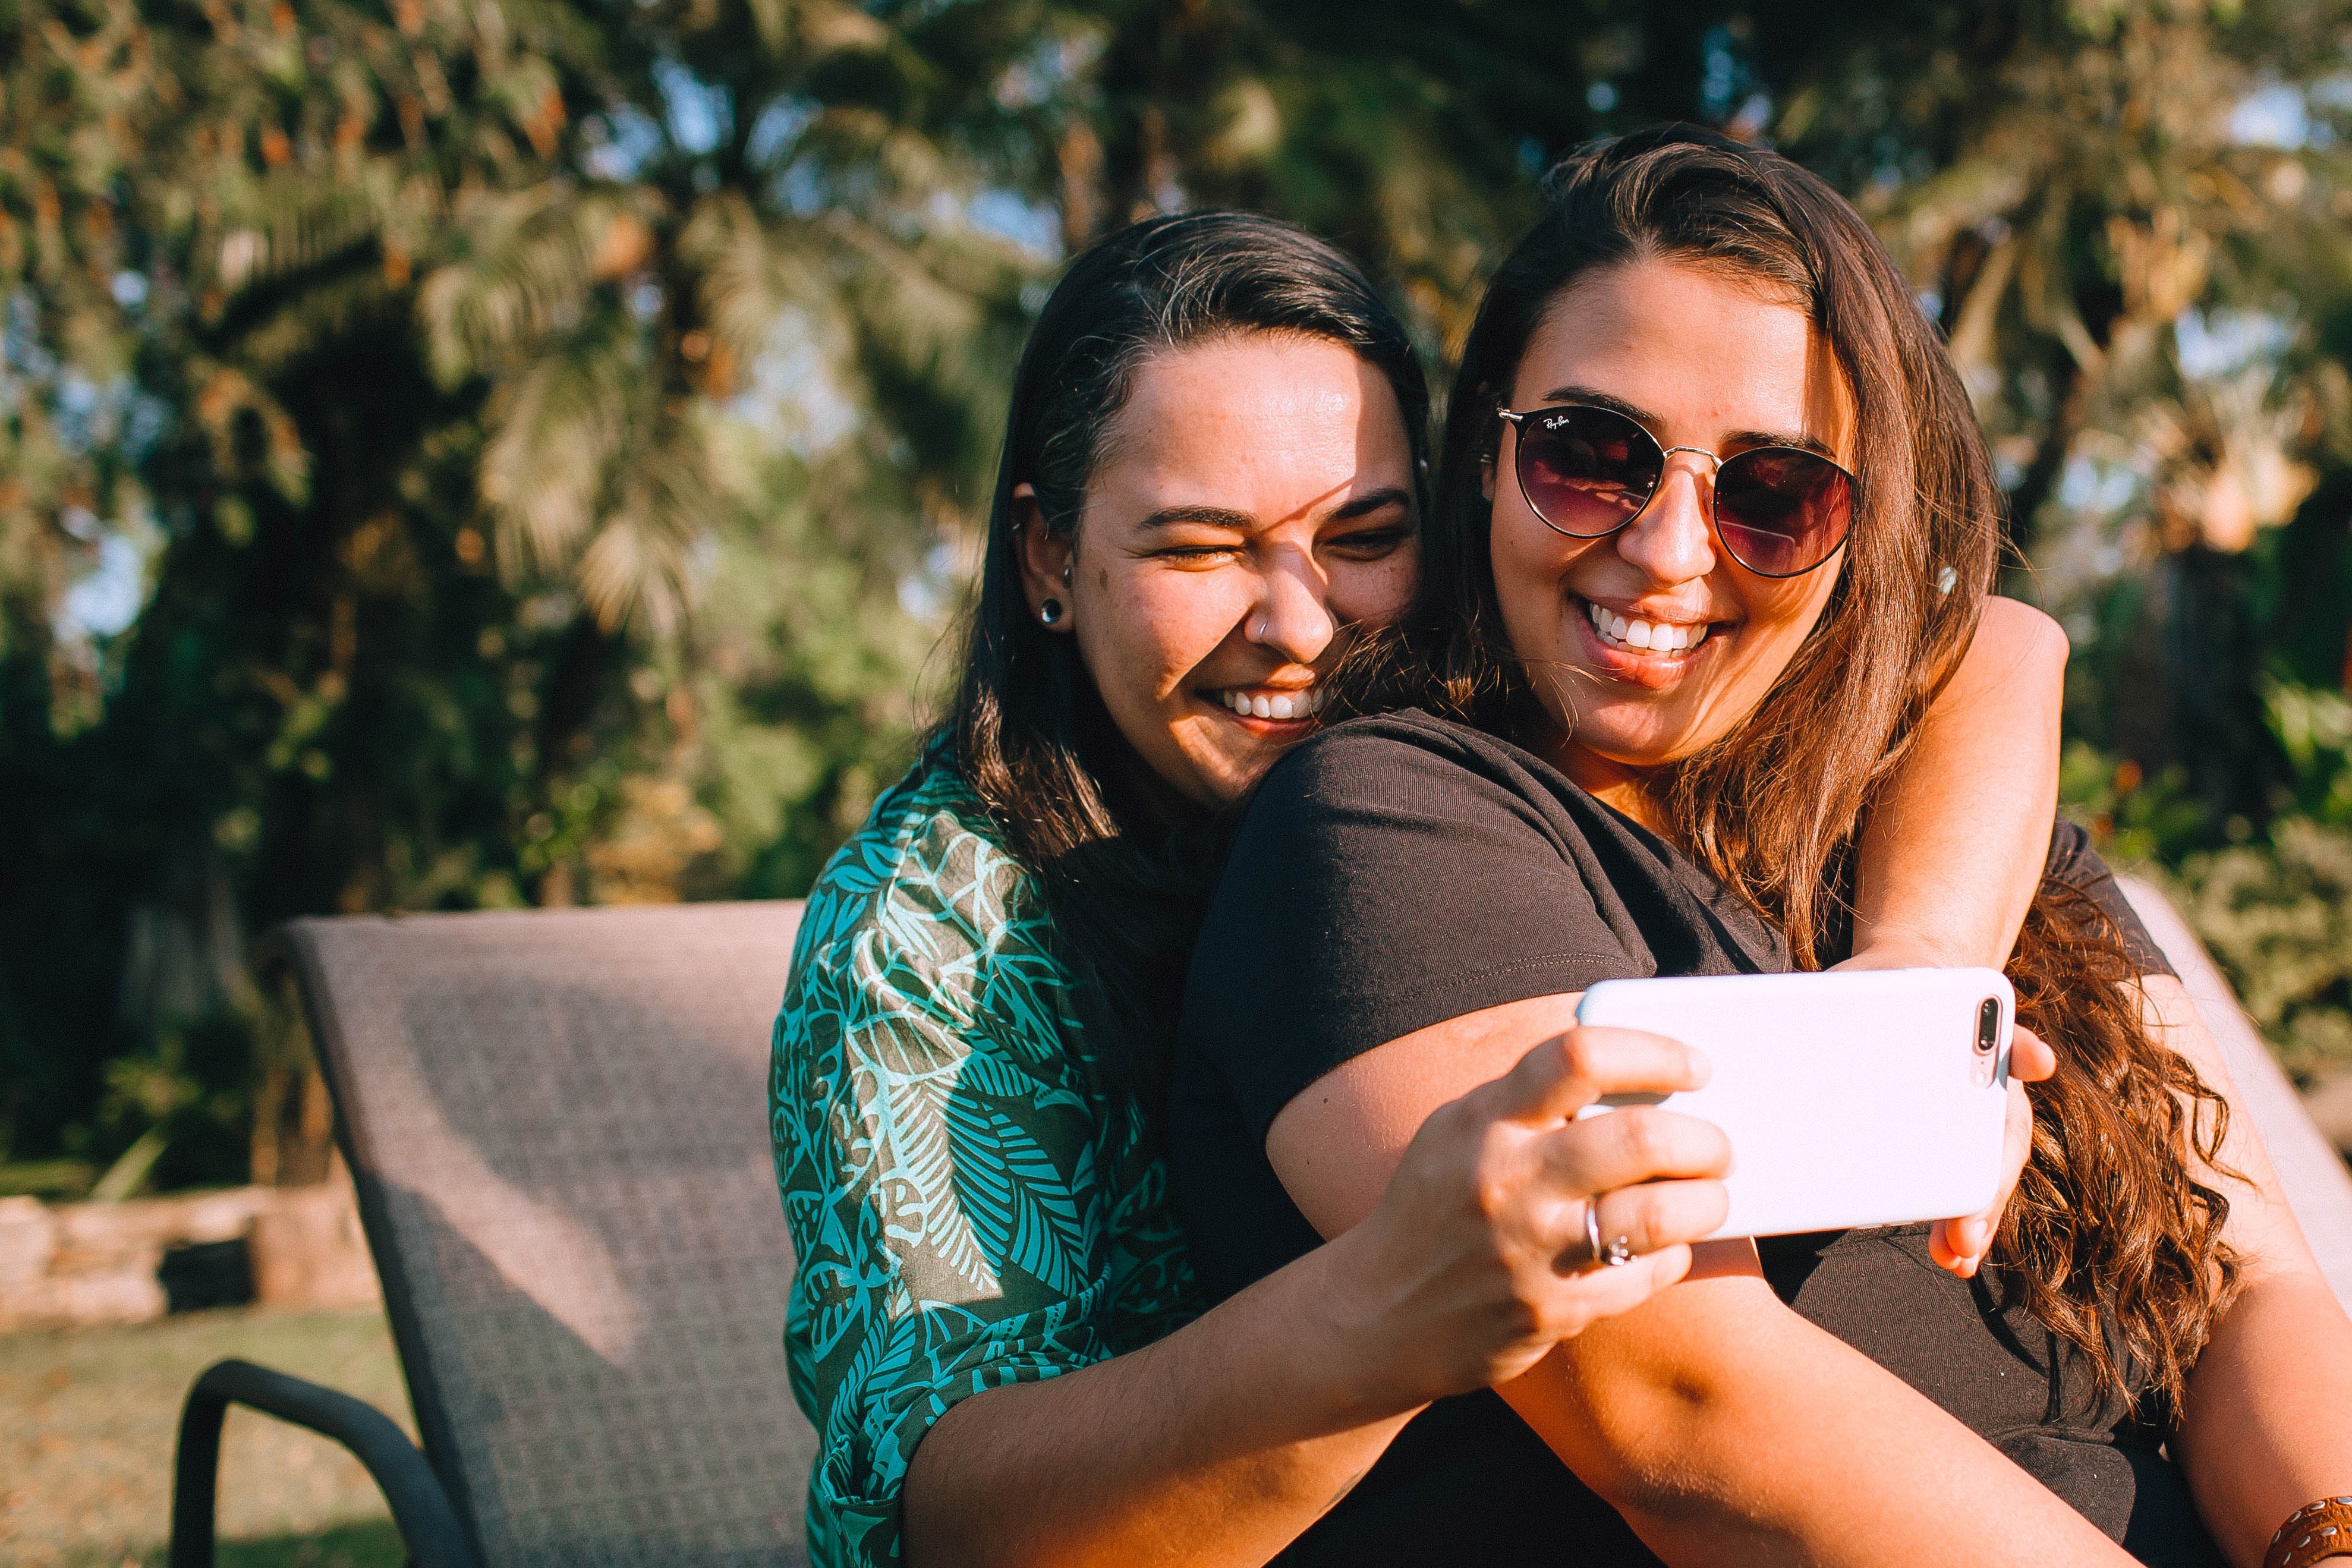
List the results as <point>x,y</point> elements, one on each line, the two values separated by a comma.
<point>2111,1240</point>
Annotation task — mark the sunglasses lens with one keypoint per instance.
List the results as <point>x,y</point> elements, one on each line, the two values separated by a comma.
<point>1782,512</point>
<point>1586,470</point>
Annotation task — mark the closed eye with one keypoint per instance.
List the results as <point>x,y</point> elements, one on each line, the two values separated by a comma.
<point>1203,553</point>
<point>1373,542</point>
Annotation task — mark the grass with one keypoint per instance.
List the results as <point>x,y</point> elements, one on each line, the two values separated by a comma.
<point>374,1544</point>
<point>59,1180</point>
<point>88,1418</point>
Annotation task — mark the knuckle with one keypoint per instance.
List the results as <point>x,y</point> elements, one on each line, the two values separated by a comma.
<point>1491,1194</point>
<point>1579,1054</point>
<point>1457,1118</point>
<point>1634,1216</point>
<point>1646,1139</point>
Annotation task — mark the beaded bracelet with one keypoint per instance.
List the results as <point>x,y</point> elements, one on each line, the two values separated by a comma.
<point>2312,1533</point>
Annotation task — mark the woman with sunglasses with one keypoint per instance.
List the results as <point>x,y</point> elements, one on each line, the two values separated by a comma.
<point>1211,478</point>
<point>1715,521</point>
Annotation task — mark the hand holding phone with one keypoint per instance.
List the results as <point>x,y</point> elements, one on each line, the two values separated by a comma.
<point>1963,1242</point>
<point>1856,1098</point>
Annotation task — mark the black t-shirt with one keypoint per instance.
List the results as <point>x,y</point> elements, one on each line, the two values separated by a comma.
<point>1395,872</point>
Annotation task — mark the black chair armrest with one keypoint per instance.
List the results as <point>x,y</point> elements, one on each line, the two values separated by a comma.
<point>428,1524</point>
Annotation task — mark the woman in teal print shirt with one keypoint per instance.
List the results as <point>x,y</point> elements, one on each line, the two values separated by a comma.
<point>1212,470</point>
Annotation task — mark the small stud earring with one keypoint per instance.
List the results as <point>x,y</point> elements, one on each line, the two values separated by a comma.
<point>1050,611</point>
<point>1065,573</point>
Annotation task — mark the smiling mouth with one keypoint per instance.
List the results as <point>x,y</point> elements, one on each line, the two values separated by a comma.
<point>1636,636</point>
<point>1259,703</point>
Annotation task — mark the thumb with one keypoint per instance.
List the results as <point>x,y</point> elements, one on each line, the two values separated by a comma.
<point>2030,1059</point>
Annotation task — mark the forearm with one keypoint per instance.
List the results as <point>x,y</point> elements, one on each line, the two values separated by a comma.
<point>1726,1428</point>
<point>1953,848</point>
<point>2267,1425</point>
<point>1217,1445</point>
<point>2268,1422</point>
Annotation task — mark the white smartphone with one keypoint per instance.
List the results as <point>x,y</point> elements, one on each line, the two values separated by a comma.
<point>1875,1097</point>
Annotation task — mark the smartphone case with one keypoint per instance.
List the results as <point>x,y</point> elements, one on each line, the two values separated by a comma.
<point>1850,1099</point>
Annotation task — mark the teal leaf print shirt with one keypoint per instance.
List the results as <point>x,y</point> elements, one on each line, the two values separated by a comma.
<point>968,1208</point>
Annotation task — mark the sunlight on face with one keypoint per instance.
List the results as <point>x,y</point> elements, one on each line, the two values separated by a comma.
<point>1253,503</point>
<point>1700,361</point>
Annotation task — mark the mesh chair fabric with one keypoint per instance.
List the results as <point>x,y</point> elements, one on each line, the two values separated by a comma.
<point>558,1125</point>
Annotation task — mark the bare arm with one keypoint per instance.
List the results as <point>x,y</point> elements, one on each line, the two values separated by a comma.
<point>1221,1442</point>
<point>1722,1425</point>
<point>1726,1428</point>
<point>2267,1425</point>
<point>1216,1446</point>
<point>1952,852</point>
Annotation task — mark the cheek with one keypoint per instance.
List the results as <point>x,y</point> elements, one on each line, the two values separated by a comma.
<point>1786,611</point>
<point>1532,564</point>
<point>1372,592</point>
<point>1151,629</point>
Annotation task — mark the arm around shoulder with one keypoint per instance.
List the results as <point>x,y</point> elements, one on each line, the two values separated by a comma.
<point>1952,850</point>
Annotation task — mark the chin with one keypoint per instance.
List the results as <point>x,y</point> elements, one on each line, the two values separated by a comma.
<point>1629,740</point>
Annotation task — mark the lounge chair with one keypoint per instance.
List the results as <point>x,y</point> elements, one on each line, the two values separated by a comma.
<point>556,1123</point>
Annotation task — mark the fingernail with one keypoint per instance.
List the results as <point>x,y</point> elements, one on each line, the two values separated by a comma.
<point>1699,1064</point>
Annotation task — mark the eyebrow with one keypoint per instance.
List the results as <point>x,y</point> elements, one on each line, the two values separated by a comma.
<point>1243,522</point>
<point>1649,421</point>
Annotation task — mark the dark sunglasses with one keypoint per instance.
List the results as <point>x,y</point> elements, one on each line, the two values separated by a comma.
<point>1587,472</point>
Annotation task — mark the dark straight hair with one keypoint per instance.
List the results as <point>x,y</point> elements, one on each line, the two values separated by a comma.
<point>2111,1239</point>
<point>1124,867</point>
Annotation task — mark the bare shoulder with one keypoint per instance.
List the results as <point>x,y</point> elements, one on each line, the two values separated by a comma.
<point>2017,629</point>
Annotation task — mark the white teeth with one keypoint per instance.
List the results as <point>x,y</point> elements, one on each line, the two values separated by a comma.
<point>1657,637</point>
<point>1281,705</point>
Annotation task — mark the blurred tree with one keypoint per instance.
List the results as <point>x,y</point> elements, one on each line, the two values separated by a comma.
<point>368,381</point>
<point>2129,219</point>
<point>455,455</point>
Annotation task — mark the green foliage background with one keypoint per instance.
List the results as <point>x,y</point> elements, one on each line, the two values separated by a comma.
<point>460,455</point>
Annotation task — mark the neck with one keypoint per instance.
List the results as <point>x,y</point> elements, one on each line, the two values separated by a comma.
<point>1135,792</point>
<point>1136,789</point>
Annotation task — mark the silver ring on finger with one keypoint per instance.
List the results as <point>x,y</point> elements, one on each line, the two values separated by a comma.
<point>1614,1253</point>
<point>1592,1229</point>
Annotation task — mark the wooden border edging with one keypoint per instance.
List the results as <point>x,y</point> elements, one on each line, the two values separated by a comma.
<point>2318,1187</point>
